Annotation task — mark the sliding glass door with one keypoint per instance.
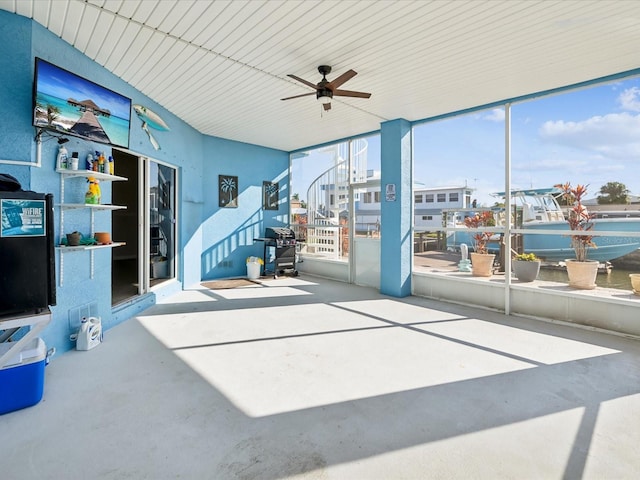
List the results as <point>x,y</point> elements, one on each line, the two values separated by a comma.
<point>161,217</point>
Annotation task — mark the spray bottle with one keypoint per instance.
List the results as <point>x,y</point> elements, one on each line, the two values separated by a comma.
<point>62,159</point>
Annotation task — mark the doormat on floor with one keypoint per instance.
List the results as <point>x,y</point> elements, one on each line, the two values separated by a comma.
<point>229,283</point>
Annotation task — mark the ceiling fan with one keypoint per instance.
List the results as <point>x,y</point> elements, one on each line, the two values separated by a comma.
<point>326,90</point>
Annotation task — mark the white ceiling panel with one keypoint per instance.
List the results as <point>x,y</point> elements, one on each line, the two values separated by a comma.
<point>86,28</point>
<point>222,66</point>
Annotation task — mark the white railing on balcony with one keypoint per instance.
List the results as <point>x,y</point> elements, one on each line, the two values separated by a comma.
<point>324,242</point>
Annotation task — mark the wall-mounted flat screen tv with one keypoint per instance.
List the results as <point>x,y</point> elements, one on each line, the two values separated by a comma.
<point>72,105</point>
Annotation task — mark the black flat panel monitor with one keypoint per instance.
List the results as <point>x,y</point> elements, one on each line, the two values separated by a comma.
<point>72,105</point>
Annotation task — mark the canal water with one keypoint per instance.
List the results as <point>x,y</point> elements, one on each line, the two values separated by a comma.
<point>617,278</point>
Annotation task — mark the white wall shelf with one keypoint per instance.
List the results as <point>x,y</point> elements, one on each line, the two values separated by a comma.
<point>66,248</point>
<point>71,206</point>
<point>90,173</point>
<point>104,177</point>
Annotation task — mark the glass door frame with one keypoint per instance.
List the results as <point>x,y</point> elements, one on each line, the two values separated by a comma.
<point>144,222</point>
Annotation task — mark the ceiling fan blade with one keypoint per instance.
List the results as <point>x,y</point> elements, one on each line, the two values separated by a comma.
<point>351,93</point>
<point>326,106</point>
<point>336,82</point>
<point>302,80</point>
<point>298,96</point>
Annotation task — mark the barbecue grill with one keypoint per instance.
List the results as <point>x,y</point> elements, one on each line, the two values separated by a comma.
<point>282,241</point>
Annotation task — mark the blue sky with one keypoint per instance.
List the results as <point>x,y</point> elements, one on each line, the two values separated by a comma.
<point>586,136</point>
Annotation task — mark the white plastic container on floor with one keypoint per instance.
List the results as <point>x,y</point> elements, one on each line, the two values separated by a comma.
<point>253,269</point>
<point>90,333</point>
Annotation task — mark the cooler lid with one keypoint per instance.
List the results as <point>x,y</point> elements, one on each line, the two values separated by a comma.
<point>34,351</point>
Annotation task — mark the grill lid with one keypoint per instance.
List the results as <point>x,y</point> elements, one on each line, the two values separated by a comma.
<point>279,232</point>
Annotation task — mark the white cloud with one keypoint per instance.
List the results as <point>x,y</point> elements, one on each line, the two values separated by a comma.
<point>629,99</point>
<point>614,135</point>
<point>496,115</point>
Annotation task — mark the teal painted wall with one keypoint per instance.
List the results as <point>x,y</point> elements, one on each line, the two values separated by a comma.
<point>205,231</point>
<point>230,232</point>
<point>16,77</point>
<point>396,243</point>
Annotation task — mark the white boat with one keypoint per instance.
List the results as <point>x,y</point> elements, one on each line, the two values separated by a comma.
<point>538,210</point>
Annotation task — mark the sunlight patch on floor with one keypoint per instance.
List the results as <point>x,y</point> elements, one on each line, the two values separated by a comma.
<point>538,347</point>
<point>500,451</point>
<point>399,312</point>
<point>617,423</point>
<point>283,375</point>
<point>258,291</point>
<point>249,325</point>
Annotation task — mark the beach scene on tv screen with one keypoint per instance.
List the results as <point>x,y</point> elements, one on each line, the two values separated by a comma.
<point>71,104</point>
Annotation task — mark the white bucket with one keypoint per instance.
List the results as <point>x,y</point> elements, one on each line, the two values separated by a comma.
<point>253,270</point>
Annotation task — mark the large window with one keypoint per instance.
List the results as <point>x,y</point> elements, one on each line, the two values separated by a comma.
<point>587,137</point>
<point>463,153</point>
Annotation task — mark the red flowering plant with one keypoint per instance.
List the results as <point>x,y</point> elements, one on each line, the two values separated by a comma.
<point>480,220</point>
<point>579,219</point>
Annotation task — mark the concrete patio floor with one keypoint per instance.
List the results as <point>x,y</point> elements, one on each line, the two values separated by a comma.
<point>309,378</point>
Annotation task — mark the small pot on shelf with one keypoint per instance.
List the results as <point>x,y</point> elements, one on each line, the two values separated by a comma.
<point>103,238</point>
<point>73,239</point>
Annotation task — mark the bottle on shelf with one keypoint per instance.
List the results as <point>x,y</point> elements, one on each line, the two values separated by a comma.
<point>89,162</point>
<point>73,162</point>
<point>101,163</point>
<point>62,159</point>
<point>111,166</point>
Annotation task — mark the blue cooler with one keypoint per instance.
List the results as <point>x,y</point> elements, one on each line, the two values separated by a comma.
<point>22,379</point>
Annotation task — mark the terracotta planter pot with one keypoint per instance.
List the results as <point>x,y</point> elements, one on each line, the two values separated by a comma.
<point>526,271</point>
<point>635,282</point>
<point>482,264</point>
<point>582,275</point>
<point>103,238</point>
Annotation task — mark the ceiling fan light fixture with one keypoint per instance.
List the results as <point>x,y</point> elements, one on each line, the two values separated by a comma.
<point>324,96</point>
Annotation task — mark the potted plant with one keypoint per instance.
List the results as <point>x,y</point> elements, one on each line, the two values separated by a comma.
<point>581,271</point>
<point>481,259</point>
<point>526,266</point>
